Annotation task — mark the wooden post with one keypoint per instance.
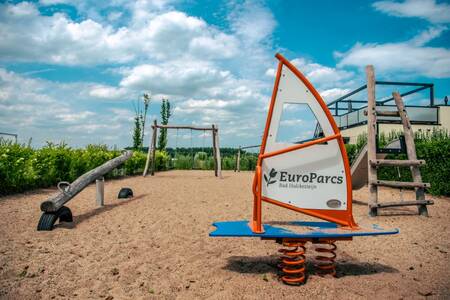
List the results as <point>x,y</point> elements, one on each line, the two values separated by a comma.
<point>100,194</point>
<point>237,168</point>
<point>150,149</point>
<point>371,139</point>
<point>151,152</point>
<point>214,150</point>
<point>411,151</point>
<point>218,159</point>
<point>154,136</point>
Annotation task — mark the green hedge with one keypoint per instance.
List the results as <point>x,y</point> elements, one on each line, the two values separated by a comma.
<point>24,168</point>
<point>433,147</point>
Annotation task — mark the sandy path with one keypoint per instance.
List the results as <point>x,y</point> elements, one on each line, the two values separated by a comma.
<point>157,246</point>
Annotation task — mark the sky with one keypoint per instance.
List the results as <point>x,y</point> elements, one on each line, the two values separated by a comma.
<point>70,70</point>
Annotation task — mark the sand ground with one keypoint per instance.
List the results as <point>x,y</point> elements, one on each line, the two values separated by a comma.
<point>156,245</point>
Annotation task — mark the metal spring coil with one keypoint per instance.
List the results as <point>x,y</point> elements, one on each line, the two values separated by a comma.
<point>325,260</point>
<point>293,262</point>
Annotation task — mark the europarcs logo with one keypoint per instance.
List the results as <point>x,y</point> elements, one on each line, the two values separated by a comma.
<point>311,177</point>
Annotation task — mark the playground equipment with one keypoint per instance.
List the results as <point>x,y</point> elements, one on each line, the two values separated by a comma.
<point>15,136</point>
<point>359,167</point>
<point>151,155</point>
<point>308,176</point>
<point>53,208</point>
<point>125,193</point>
<point>237,167</point>
<point>372,150</point>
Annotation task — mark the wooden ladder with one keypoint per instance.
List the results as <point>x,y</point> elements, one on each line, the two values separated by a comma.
<point>374,163</point>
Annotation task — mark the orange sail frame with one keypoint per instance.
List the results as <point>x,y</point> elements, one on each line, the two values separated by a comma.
<point>341,217</point>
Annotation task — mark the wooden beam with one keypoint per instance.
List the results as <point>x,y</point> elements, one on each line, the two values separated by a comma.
<point>56,201</point>
<point>397,162</point>
<point>154,137</point>
<point>238,160</point>
<point>411,150</point>
<point>216,152</point>
<point>399,184</point>
<point>405,203</point>
<point>168,126</point>
<point>247,147</point>
<point>387,113</point>
<point>150,147</point>
<point>371,138</point>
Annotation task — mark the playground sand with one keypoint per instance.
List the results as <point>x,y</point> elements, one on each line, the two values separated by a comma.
<point>156,245</point>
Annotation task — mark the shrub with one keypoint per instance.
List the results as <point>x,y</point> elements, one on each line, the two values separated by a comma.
<point>23,168</point>
<point>433,147</point>
<point>15,169</point>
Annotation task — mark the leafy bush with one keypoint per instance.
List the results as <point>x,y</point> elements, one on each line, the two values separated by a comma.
<point>248,161</point>
<point>23,168</point>
<point>15,167</point>
<point>433,147</point>
<point>182,162</point>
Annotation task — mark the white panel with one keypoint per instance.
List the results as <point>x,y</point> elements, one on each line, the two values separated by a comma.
<point>312,177</point>
<point>292,90</point>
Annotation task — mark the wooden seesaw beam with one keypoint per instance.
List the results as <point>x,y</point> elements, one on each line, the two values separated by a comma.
<point>56,201</point>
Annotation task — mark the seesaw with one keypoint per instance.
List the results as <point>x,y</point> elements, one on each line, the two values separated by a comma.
<point>310,176</point>
<point>53,208</point>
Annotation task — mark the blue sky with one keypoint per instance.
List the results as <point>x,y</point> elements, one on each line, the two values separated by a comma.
<point>69,70</point>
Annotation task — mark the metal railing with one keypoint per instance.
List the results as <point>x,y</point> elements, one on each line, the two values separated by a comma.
<point>350,112</point>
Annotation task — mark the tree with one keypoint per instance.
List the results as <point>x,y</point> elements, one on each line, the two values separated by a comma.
<point>137,136</point>
<point>165,115</point>
<point>146,98</point>
<point>140,116</point>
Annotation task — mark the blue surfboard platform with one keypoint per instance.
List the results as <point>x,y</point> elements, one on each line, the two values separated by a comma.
<point>296,230</point>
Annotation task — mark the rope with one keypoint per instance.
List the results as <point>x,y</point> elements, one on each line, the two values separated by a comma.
<point>204,136</point>
<point>176,141</point>
<point>176,149</point>
<point>192,153</point>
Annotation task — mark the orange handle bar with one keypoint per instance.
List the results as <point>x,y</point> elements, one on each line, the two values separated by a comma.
<point>300,146</point>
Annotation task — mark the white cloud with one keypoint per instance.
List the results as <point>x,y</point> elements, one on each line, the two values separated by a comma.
<point>208,103</point>
<point>271,72</point>
<point>57,39</point>
<point>425,9</point>
<point>325,79</point>
<point>322,76</point>
<point>56,112</point>
<point>173,34</point>
<point>114,16</point>
<point>74,117</point>
<point>252,21</point>
<point>403,57</point>
<point>53,2</point>
<point>29,36</point>
<point>253,24</point>
<point>292,122</point>
<point>107,92</point>
<point>209,74</point>
<point>333,93</point>
<point>175,78</point>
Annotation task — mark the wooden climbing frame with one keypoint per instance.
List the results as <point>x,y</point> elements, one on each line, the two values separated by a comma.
<point>373,163</point>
